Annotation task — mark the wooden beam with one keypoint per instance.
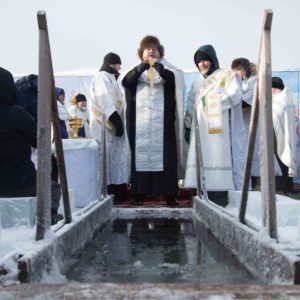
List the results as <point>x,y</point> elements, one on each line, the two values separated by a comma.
<point>47,95</point>
<point>267,22</point>
<point>267,140</point>
<point>104,166</point>
<point>42,22</point>
<point>43,137</point>
<point>201,188</point>
<point>268,17</point>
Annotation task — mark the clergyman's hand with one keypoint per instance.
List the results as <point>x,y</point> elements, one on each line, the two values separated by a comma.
<point>142,67</point>
<point>159,68</point>
<point>116,120</point>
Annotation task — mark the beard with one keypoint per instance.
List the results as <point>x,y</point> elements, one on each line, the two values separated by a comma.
<point>204,71</point>
<point>84,109</point>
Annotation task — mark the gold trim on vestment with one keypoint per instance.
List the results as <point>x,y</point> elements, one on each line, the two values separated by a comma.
<point>210,95</point>
<point>214,113</point>
<point>98,116</point>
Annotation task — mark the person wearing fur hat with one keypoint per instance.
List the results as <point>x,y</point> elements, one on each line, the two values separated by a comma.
<point>283,112</point>
<point>219,111</point>
<point>154,96</point>
<point>79,108</point>
<point>107,108</point>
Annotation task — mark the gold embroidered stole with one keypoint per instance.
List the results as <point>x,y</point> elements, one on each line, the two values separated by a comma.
<point>211,95</point>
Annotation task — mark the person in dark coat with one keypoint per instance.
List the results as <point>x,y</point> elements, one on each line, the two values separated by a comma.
<point>17,136</point>
<point>150,116</point>
<point>27,94</point>
<point>18,133</point>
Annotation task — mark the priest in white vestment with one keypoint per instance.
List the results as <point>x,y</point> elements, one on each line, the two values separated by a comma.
<point>283,112</point>
<point>107,108</point>
<point>79,109</point>
<point>246,72</point>
<point>154,96</point>
<point>221,129</point>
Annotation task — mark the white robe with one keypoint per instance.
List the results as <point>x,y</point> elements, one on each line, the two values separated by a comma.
<point>248,86</point>
<point>75,111</point>
<point>107,96</point>
<point>191,99</point>
<point>283,112</point>
<point>63,115</point>
<point>223,153</point>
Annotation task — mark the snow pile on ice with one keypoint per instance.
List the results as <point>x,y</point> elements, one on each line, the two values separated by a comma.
<point>287,209</point>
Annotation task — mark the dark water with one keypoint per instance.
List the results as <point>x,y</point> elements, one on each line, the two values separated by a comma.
<point>157,251</point>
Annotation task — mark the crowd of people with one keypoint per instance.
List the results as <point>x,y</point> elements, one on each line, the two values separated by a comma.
<point>150,140</point>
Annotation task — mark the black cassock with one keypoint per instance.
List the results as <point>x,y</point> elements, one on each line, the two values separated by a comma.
<point>163,182</point>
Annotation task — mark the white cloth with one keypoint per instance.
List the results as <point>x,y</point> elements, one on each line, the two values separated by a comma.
<point>63,115</point>
<point>75,111</point>
<point>82,161</point>
<point>149,139</point>
<point>283,111</point>
<point>107,96</point>
<point>191,99</point>
<point>223,153</point>
<point>179,94</point>
<point>248,86</point>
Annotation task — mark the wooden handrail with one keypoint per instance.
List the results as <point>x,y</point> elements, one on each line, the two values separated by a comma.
<point>47,110</point>
<point>262,101</point>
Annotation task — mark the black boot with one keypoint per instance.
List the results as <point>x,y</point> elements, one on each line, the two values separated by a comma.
<point>138,199</point>
<point>116,191</point>
<point>290,186</point>
<point>55,218</point>
<point>171,200</point>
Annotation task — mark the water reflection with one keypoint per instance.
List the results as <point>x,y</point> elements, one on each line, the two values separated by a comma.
<point>157,250</point>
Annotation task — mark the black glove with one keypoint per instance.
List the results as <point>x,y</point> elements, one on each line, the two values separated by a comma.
<point>115,119</point>
<point>142,67</point>
<point>187,135</point>
<point>159,68</point>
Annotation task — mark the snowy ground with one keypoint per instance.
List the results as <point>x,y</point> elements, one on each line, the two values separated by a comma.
<point>22,238</point>
<point>288,215</point>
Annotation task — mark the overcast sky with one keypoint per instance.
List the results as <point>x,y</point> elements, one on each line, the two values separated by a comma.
<point>82,32</point>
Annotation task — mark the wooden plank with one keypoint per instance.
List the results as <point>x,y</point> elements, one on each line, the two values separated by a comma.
<point>104,166</point>
<point>47,94</point>
<point>56,127</point>
<point>267,141</point>
<point>60,159</point>
<point>42,22</point>
<point>267,22</point>
<point>44,138</point>
<point>201,188</point>
<point>249,155</point>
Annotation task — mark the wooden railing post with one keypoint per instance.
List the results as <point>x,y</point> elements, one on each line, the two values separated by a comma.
<point>262,97</point>
<point>201,188</point>
<point>267,136</point>
<point>47,110</point>
<point>45,88</point>
<point>104,166</point>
